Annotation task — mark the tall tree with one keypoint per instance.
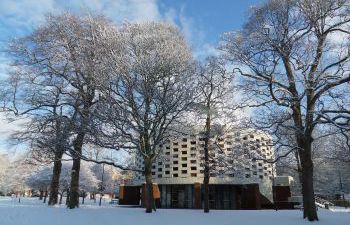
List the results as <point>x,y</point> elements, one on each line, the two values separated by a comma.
<point>71,48</point>
<point>34,95</point>
<point>214,92</point>
<point>294,58</point>
<point>149,88</point>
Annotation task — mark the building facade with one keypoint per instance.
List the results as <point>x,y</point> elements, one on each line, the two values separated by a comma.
<point>240,172</point>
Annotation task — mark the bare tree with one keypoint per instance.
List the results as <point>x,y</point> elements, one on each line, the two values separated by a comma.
<point>149,88</point>
<point>69,49</point>
<point>293,57</point>
<point>212,106</point>
<point>32,94</point>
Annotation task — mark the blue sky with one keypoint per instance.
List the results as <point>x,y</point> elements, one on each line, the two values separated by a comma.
<point>202,22</point>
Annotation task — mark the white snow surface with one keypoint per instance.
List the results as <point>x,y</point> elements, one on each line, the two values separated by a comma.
<point>31,211</point>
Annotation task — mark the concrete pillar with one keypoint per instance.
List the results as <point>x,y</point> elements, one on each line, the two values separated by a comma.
<point>197,196</point>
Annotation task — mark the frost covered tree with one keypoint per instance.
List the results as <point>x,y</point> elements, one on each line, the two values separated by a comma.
<point>33,95</point>
<point>293,58</point>
<point>40,180</point>
<point>16,174</point>
<point>4,164</point>
<point>149,88</point>
<point>67,51</point>
<point>331,176</point>
<point>78,44</point>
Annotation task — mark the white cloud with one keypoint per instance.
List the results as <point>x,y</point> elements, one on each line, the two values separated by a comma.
<point>20,16</point>
<point>196,35</point>
<point>118,10</point>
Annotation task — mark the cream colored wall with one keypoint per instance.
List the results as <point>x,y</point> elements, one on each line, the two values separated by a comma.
<point>188,150</point>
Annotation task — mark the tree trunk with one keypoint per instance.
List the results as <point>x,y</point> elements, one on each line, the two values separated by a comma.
<point>100,202</point>
<point>310,210</point>
<point>206,162</point>
<point>41,194</point>
<point>74,184</point>
<point>83,201</point>
<point>55,180</point>
<point>67,199</point>
<point>149,200</point>
<point>61,196</point>
<point>45,196</point>
<point>206,193</point>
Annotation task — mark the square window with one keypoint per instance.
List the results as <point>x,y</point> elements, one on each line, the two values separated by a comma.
<point>193,168</point>
<point>159,175</point>
<point>184,165</point>
<point>175,175</point>
<point>175,162</point>
<point>184,171</point>
<point>193,174</point>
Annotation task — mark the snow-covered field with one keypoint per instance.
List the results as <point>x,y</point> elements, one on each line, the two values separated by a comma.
<point>32,212</point>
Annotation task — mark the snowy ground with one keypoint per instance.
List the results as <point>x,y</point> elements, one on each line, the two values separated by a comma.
<point>32,212</point>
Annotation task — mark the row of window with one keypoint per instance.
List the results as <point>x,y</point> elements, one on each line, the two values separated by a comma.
<point>174,174</point>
